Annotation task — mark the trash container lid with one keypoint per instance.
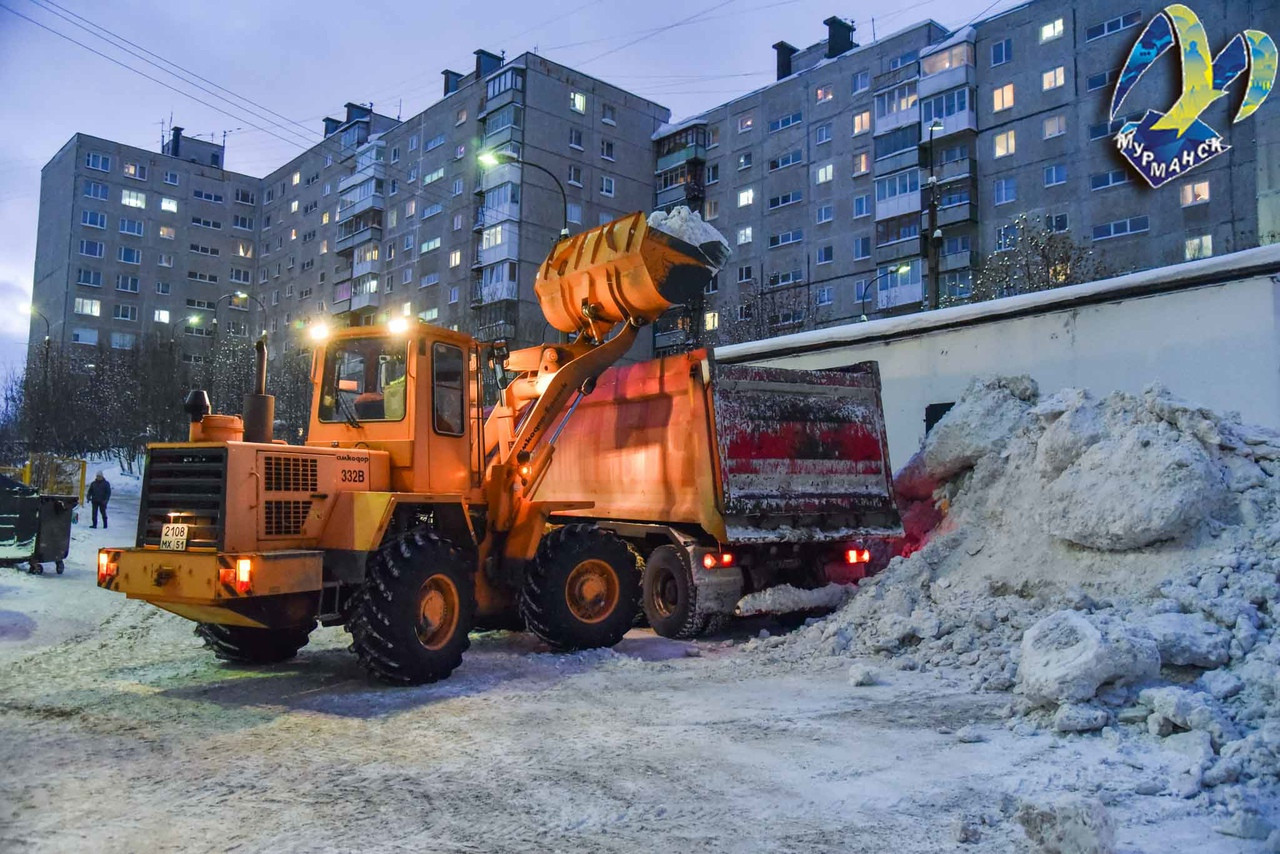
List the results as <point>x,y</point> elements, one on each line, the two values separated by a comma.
<point>9,486</point>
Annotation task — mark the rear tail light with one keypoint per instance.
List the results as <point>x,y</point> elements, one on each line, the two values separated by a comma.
<point>711,560</point>
<point>107,569</point>
<point>239,577</point>
<point>856,556</point>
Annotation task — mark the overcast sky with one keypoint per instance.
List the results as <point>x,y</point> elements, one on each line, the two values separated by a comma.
<point>304,60</point>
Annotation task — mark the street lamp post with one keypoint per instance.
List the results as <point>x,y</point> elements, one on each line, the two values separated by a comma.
<point>931,246</point>
<point>901,270</point>
<point>48,336</point>
<point>236,295</point>
<point>496,158</point>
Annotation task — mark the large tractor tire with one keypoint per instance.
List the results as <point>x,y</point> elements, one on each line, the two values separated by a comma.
<point>670,596</point>
<point>247,645</point>
<point>582,589</point>
<point>410,622</point>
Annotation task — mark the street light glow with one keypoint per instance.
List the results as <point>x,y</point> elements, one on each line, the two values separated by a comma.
<point>318,332</point>
<point>26,309</point>
<point>903,270</point>
<point>398,325</point>
<point>193,319</point>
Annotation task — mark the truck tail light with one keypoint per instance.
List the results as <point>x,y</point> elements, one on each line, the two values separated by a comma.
<point>856,556</point>
<point>711,560</point>
<point>107,570</point>
<point>244,575</point>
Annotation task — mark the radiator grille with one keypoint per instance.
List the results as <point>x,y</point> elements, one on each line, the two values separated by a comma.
<point>289,474</point>
<point>184,486</point>
<point>285,518</point>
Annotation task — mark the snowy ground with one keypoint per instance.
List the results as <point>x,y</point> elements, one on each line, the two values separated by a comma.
<point>119,733</point>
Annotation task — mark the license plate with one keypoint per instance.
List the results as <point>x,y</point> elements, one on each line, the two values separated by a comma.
<point>174,538</point>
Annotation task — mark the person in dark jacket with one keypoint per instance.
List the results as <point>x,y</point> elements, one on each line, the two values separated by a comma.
<point>99,494</point>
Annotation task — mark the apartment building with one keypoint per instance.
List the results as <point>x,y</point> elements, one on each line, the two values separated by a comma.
<point>132,243</point>
<point>382,218</point>
<point>821,180</point>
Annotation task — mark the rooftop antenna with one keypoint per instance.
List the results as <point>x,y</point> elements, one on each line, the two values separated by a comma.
<point>873,29</point>
<point>399,107</point>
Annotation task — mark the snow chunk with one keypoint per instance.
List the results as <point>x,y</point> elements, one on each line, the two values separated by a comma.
<point>1072,825</point>
<point>1066,658</point>
<point>685,225</point>
<point>1189,639</point>
<point>981,421</point>
<point>785,599</point>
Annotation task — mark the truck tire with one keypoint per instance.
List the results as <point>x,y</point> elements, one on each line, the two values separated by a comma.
<point>582,589</point>
<point>670,596</point>
<point>410,621</point>
<point>248,645</point>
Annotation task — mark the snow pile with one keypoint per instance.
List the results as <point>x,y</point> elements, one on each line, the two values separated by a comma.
<point>685,225</point>
<point>1111,562</point>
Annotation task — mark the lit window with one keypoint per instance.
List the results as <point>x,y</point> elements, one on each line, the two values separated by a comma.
<point>746,197</point>
<point>710,210</point>
<point>461,116</point>
<point>578,102</point>
<point>161,315</point>
<point>169,205</point>
<point>293,205</point>
<point>133,199</point>
<point>1053,78</point>
<point>746,123</point>
<point>91,307</point>
<point>1055,126</point>
<point>1005,143</point>
<point>166,232</point>
<point>862,122</point>
<point>455,258</point>
<point>297,176</point>
<point>711,321</point>
<point>824,93</point>
<point>1002,97</point>
<point>135,170</point>
<point>861,163</point>
<point>1051,30</point>
<point>744,235</point>
<point>1199,247</point>
<point>824,173</point>
<point>1195,193</point>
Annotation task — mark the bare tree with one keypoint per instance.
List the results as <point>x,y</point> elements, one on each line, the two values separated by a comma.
<point>291,385</point>
<point>1036,258</point>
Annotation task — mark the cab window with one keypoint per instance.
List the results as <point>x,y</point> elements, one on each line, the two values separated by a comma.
<point>364,380</point>
<point>446,389</point>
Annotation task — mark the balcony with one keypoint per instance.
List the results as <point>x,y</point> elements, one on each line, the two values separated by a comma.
<point>684,155</point>
<point>898,250</point>
<point>482,294</point>
<point>953,170</point>
<point>364,268</point>
<point>889,79</point>
<point>893,121</point>
<point>500,100</point>
<point>350,241</point>
<point>501,329</point>
<point>348,210</point>
<point>899,295</point>
<point>376,169</point>
<point>507,250</point>
<point>903,203</point>
<point>900,160</point>
<point>966,120</point>
<point>943,81</point>
<point>503,137</point>
<point>956,261</point>
<point>673,338</point>
<point>952,214</point>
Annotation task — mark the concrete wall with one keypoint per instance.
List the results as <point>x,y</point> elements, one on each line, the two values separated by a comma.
<point>1217,345</point>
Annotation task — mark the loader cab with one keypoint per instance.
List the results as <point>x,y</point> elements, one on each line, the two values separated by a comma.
<point>407,391</point>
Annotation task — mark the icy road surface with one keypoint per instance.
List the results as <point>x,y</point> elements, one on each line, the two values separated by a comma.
<point>119,733</point>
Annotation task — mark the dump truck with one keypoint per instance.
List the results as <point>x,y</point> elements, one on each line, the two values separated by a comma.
<point>415,513</point>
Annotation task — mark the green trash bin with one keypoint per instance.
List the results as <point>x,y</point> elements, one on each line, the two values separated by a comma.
<point>53,540</point>
<point>19,522</point>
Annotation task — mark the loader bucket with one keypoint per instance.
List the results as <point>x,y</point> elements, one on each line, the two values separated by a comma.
<point>623,270</point>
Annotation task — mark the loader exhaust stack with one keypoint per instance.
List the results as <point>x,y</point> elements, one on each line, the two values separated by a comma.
<point>259,407</point>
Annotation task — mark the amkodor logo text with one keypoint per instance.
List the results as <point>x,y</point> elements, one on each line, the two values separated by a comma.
<point>1162,146</point>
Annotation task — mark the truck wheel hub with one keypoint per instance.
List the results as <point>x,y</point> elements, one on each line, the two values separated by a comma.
<point>437,612</point>
<point>592,591</point>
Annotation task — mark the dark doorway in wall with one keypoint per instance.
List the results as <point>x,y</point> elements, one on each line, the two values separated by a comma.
<point>933,414</point>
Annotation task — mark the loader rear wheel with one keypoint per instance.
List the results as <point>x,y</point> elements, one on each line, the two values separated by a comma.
<point>582,589</point>
<point>670,596</point>
<point>247,645</point>
<point>410,622</point>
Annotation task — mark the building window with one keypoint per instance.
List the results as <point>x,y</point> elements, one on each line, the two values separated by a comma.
<point>131,226</point>
<point>1114,25</point>
<point>433,176</point>
<point>744,160</point>
<point>162,288</point>
<point>1195,193</point>
<point>896,100</point>
<point>826,295</point>
<point>789,159</point>
<point>1055,175</point>
<point>578,102</point>
<point>93,219</point>
<point>575,175</point>
<point>861,163</point>
<point>744,235</point>
<point>1121,227</point>
<point>1054,126</point>
<point>785,199</point>
<point>129,255</point>
<point>96,190</point>
<point>861,206</point>
<point>168,205</point>
<point>122,340</point>
<point>822,134</point>
<point>1199,247</point>
<point>1006,237</point>
<point>826,213</point>
<point>713,173</point>
<point>898,184</point>
<point>1056,223</point>
<point>862,248</point>
<point>744,274</point>
<point>137,171</point>
<point>575,138</point>
<point>125,312</point>
<point>711,321</point>
<point>100,162</point>
<point>1006,190</point>
<point>861,122</point>
<point>1002,97</point>
<point>91,278</point>
<point>90,307</point>
<point>746,123</point>
<point>457,186</point>
<point>1051,31</point>
<point>946,104</point>
<point>606,185</point>
<point>455,258</point>
<point>786,238</point>
<point>710,209</point>
<point>1006,143</point>
<point>127,284</point>
<point>785,277</point>
<point>1100,81</point>
<point>171,178</point>
<point>861,81</point>
<point>133,199</point>
<point>824,173</point>
<point>825,255</point>
<point>606,149</point>
<point>1110,178</point>
<point>823,93</point>
<point>84,336</point>
<point>1053,78</point>
<point>1001,52</point>
<point>956,56</point>
<point>164,259</point>
<point>746,197</point>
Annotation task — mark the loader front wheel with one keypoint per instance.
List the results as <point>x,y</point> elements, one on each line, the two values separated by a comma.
<point>248,645</point>
<point>582,590</point>
<point>410,622</point>
<point>670,596</point>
